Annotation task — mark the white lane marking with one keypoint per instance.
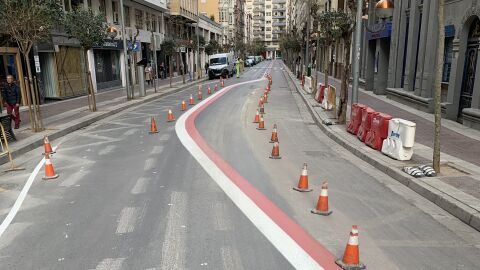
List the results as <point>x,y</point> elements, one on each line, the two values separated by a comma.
<point>290,249</point>
<point>127,220</point>
<point>149,164</point>
<point>130,132</point>
<point>165,137</point>
<point>221,221</point>
<point>173,249</point>
<point>156,150</point>
<point>230,258</point>
<point>110,264</point>
<point>140,186</point>
<point>21,197</point>
<point>108,149</point>
<point>73,179</point>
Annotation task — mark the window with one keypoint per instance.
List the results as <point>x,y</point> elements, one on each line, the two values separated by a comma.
<point>154,23</point>
<point>127,16</point>
<point>72,4</point>
<point>115,12</point>
<point>101,6</point>
<point>268,14</point>
<point>447,59</point>
<point>148,21</point>
<point>138,19</point>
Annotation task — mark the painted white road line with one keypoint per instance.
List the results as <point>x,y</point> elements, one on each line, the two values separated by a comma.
<point>221,220</point>
<point>149,164</point>
<point>73,179</point>
<point>21,197</point>
<point>230,258</point>
<point>141,186</point>
<point>130,132</point>
<point>110,264</point>
<point>173,248</point>
<point>107,150</point>
<point>128,219</point>
<point>157,150</point>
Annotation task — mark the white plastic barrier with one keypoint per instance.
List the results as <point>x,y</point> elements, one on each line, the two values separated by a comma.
<point>400,140</point>
<point>308,84</point>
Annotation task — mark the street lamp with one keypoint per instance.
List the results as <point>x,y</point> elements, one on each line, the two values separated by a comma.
<point>383,10</point>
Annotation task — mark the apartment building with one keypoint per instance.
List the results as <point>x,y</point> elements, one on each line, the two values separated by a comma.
<point>209,8</point>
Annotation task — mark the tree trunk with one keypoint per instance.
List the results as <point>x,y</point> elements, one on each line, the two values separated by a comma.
<point>91,94</point>
<point>342,108</point>
<point>31,96</point>
<point>170,69</point>
<point>317,68</point>
<point>325,66</point>
<point>438,87</point>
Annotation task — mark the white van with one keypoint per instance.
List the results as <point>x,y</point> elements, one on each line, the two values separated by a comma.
<point>221,64</point>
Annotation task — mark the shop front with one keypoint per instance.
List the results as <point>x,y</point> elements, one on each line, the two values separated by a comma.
<point>107,64</point>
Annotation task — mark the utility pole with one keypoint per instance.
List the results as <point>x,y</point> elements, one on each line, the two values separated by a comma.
<point>125,52</point>
<point>197,60</point>
<point>356,52</point>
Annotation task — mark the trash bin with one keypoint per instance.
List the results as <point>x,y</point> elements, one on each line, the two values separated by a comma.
<point>400,140</point>
<point>309,71</point>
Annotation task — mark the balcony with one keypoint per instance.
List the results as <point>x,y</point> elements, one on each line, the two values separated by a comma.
<point>256,33</point>
<point>279,1</point>
<point>279,9</point>
<point>280,17</point>
<point>278,31</point>
<point>260,18</point>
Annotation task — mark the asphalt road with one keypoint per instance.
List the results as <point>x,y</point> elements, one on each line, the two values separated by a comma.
<point>126,199</point>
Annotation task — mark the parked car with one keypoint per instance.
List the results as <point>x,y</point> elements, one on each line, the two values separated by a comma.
<point>221,64</point>
<point>249,62</point>
<point>258,58</point>
<point>253,59</point>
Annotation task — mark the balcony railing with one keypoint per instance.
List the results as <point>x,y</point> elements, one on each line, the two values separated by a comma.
<point>279,23</point>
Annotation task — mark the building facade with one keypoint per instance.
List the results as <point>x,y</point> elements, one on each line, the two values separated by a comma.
<point>209,8</point>
<point>400,60</point>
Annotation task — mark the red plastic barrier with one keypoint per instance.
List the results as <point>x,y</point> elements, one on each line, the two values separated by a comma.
<point>355,118</point>
<point>320,93</point>
<point>367,115</point>
<point>303,80</point>
<point>378,131</point>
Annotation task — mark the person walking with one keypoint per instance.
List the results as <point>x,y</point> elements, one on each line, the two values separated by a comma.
<point>237,64</point>
<point>206,68</point>
<point>148,74</point>
<point>162,70</point>
<point>11,96</point>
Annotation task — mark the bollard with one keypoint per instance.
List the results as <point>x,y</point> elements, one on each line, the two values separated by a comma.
<point>141,81</point>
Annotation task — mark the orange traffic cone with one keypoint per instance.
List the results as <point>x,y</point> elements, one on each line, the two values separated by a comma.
<point>351,256</point>
<point>260,102</point>
<point>216,87</point>
<point>184,105</point>
<point>170,117</point>
<point>153,126</point>
<point>47,146</point>
<point>49,171</point>
<point>209,91</point>
<point>261,124</point>
<point>265,98</point>
<point>322,204</point>
<point>274,137</point>
<point>268,87</point>
<point>275,151</point>
<point>302,185</point>
<point>199,95</point>
<point>192,101</point>
<point>262,109</point>
<point>257,117</point>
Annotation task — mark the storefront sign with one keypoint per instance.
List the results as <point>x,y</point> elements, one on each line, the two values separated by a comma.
<point>385,33</point>
<point>109,44</point>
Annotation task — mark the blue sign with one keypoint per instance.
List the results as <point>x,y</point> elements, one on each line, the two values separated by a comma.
<point>136,47</point>
<point>386,32</point>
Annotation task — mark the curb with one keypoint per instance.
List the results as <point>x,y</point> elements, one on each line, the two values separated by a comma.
<point>465,213</point>
<point>113,110</point>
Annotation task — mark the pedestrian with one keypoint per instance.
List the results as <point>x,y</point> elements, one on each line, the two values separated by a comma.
<point>237,64</point>
<point>148,74</point>
<point>206,68</point>
<point>162,68</point>
<point>11,96</point>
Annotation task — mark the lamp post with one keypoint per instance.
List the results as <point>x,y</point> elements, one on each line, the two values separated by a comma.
<point>384,10</point>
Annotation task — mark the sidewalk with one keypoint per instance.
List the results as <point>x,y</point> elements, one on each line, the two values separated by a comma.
<point>456,189</point>
<point>63,117</point>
